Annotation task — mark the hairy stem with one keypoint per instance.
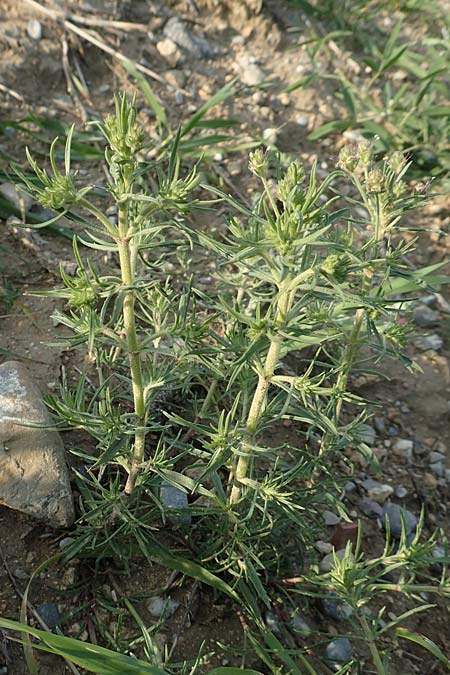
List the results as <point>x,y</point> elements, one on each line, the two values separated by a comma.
<point>259,400</point>
<point>129,322</point>
<point>376,656</point>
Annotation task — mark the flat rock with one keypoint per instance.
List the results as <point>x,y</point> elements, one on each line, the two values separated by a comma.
<point>34,477</point>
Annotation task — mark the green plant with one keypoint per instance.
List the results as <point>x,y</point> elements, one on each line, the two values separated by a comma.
<point>306,292</point>
<point>398,100</point>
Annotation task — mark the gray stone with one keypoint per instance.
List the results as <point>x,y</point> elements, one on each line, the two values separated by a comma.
<point>367,434</point>
<point>49,613</point>
<point>182,35</point>
<point>174,498</point>
<point>34,477</point>
<point>34,29</point>
<point>349,487</point>
<point>436,457</point>
<point>272,622</point>
<point>379,424</point>
<point>327,564</point>
<point>299,625</point>
<point>425,317</point>
<point>302,121</point>
<point>427,342</point>
<point>270,135</point>
<point>338,651</point>
<point>330,518</point>
<point>66,542</point>
<point>159,606</point>
<point>404,448</point>
<point>400,492</point>
<point>251,74</point>
<point>18,197</point>
<point>324,547</point>
<point>438,468</point>
<point>394,513</point>
<point>370,508</point>
<point>335,608</point>
<point>379,492</point>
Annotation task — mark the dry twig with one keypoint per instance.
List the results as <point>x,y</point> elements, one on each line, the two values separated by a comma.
<point>90,37</point>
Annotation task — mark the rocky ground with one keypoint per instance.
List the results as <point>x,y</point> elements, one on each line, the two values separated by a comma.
<point>189,50</point>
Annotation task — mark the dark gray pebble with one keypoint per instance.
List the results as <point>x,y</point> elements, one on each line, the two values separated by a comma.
<point>49,613</point>
<point>339,651</point>
<point>335,608</point>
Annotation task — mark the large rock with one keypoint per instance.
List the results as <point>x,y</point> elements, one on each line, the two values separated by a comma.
<point>34,476</point>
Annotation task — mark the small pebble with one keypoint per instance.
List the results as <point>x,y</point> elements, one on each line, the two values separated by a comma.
<point>429,342</point>
<point>299,625</point>
<point>335,608</point>
<point>327,564</point>
<point>302,121</point>
<point>252,75</point>
<point>438,468</point>
<point>166,47</point>
<point>157,606</point>
<point>323,547</point>
<point>370,508</point>
<point>173,498</point>
<point>425,317</point>
<point>338,651</point>
<point>436,457</point>
<point>16,196</point>
<point>400,492</point>
<point>272,622</point>
<point>49,613</point>
<point>394,513</point>
<point>65,542</point>
<point>367,434</point>
<point>379,424</point>
<point>34,29</point>
<point>330,518</point>
<point>270,135</point>
<point>379,492</point>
